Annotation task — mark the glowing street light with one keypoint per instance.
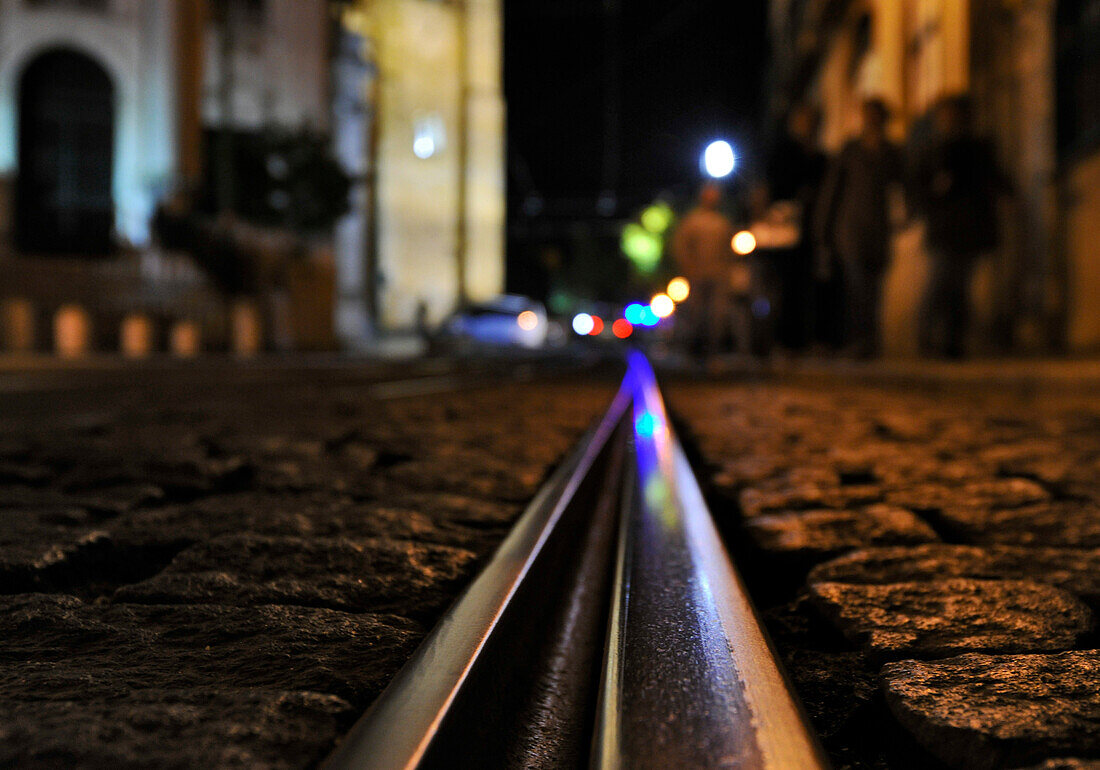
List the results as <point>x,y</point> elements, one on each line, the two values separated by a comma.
<point>678,289</point>
<point>528,320</point>
<point>583,324</point>
<point>634,313</point>
<point>744,243</point>
<point>622,328</point>
<point>718,159</point>
<point>662,306</point>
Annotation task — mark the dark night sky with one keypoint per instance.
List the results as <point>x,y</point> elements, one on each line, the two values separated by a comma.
<point>691,70</point>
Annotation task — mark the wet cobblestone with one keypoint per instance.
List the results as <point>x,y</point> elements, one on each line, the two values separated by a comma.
<point>225,574</point>
<point>999,492</point>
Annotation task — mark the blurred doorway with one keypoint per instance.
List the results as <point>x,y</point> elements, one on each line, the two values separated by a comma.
<point>66,148</point>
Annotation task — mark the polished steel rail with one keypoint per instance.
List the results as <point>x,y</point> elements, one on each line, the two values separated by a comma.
<point>610,629</point>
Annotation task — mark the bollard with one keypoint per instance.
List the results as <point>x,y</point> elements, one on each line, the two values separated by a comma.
<point>247,333</point>
<point>136,336</point>
<point>72,331</point>
<point>17,325</point>
<point>185,339</point>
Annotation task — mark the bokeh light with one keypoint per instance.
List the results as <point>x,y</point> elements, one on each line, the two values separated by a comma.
<point>657,218</point>
<point>642,247</point>
<point>622,328</point>
<point>583,324</point>
<point>634,313</point>
<point>744,243</point>
<point>597,326</point>
<point>678,289</point>
<point>662,306</point>
<point>718,159</point>
<point>528,320</point>
<point>649,318</point>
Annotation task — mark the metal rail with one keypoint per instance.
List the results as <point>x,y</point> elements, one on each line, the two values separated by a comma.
<point>610,629</point>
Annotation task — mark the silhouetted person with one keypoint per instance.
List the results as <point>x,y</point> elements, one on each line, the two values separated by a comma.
<point>701,247</point>
<point>795,172</point>
<point>955,190</point>
<point>854,224</point>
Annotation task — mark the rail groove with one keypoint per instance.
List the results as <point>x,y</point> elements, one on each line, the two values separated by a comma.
<point>610,629</point>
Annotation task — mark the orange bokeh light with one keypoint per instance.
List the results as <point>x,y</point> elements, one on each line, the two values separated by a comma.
<point>744,243</point>
<point>622,328</point>
<point>527,320</point>
<point>597,326</point>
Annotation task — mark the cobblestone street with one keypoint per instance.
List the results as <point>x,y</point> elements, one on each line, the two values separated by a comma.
<point>201,570</point>
<point>926,560</point>
<point>225,566</point>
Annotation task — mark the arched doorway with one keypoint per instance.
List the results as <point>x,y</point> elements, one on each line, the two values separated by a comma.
<point>66,147</point>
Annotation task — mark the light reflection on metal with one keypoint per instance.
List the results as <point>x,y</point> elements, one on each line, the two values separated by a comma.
<point>724,703</point>
<point>688,677</point>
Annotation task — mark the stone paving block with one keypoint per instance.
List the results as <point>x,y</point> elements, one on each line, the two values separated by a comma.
<point>1061,523</point>
<point>806,496</point>
<point>981,712</point>
<point>448,520</point>
<point>173,729</point>
<point>44,547</point>
<point>496,480</point>
<point>947,617</point>
<point>377,575</point>
<point>822,533</point>
<point>1074,570</point>
<point>995,493</point>
<point>63,648</point>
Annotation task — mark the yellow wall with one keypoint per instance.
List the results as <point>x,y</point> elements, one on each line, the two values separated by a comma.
<point>417,199</point>
<point>418,48</point>
<point>1083,254</point>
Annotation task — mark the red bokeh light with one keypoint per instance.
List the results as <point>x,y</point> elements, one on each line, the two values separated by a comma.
<point>622,328</point>
<point>597,326</point>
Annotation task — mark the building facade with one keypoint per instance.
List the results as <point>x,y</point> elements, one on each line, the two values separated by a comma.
<point>1032,69</point>
<point>108,107</point>
<point>102,103</point>
<point>432,162</point>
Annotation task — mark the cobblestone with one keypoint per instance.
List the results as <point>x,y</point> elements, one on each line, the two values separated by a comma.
<point>1001,485</point>
<point>981,711</point>
<point>936,618</point>
<point>1076,571</point>
<point>226,573</point>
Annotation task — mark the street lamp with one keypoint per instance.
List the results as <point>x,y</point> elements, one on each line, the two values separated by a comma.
<point>718,159</point>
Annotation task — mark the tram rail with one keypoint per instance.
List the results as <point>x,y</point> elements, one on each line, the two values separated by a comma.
<point>610,629</point>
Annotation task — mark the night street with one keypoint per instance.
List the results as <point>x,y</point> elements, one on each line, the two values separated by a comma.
<point>228,570</point>
<point>550,384</point>
<point>224,565</point>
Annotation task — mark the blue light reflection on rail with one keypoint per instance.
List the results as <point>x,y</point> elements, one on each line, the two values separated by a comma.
<point>651,441</point>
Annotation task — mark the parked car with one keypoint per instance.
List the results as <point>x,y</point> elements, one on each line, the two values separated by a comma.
<point>506,320</point>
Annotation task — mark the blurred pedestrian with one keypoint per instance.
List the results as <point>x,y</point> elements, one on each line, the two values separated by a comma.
<point>955,190</point>
<point>854,224</point>
<point>701,247</point>
<point>795,171</point>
